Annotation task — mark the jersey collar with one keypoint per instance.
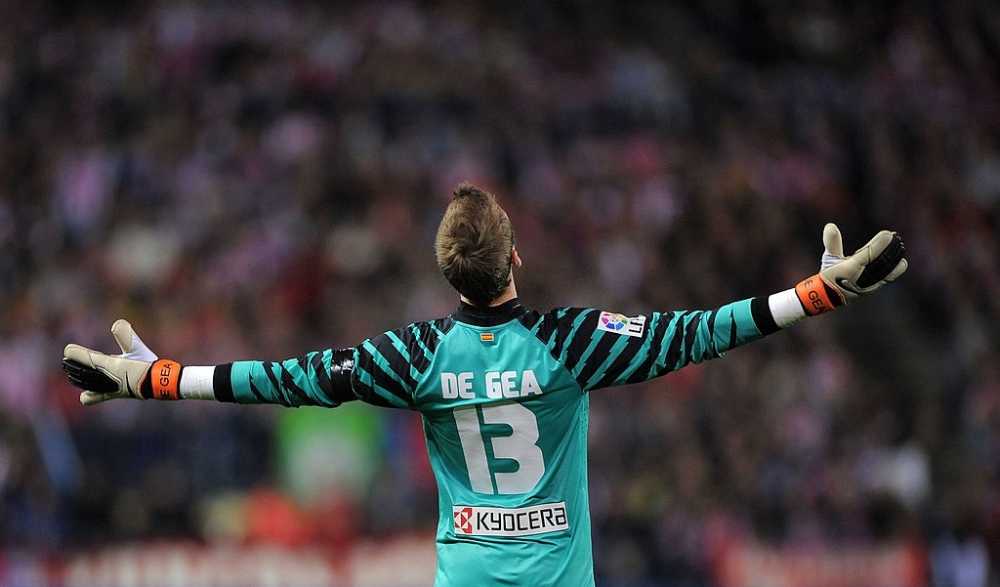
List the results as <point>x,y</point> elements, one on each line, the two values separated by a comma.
<point>491,316</point>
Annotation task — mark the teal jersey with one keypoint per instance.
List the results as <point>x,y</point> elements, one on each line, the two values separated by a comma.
<point>505,412</point>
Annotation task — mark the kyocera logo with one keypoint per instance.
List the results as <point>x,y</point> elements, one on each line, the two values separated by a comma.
<point>483,521</point>
<point>463,520</point>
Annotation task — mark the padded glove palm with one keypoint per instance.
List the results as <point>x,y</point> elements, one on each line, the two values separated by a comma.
<point>104,377</point>
<point>844,279</point>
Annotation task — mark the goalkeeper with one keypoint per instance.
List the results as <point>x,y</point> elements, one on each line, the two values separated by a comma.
<point>502,388</point>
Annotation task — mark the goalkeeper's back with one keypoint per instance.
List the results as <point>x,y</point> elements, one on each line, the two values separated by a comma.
<point>506,431</point>
<point>502,394</point>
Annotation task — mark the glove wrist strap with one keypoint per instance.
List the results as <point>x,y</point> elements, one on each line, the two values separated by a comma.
<point>162,381</point>
<point>815,296</point>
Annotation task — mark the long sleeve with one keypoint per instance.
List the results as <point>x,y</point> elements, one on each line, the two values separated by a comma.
<point>382,371</point>
<point>387,367</point>
<point>603,349</point>
<point>317,378</point>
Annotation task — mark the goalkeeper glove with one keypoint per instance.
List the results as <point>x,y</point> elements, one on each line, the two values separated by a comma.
<point>136,373</point>
<point>844,279</point>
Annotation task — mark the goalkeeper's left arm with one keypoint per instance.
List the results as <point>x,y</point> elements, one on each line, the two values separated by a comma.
<point>320,378</point>
<point>324,378</point>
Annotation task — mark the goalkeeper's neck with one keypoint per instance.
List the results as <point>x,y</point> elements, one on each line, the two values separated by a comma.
<point>508,294</point>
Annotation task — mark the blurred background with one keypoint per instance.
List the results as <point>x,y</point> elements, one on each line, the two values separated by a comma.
<point>253,180</point>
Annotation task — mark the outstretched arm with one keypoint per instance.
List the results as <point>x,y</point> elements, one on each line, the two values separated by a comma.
<point>374,372</point>
<point>602,349</point>
<point>319,378</point>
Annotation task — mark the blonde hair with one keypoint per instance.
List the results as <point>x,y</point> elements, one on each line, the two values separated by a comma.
<point>474,245</point>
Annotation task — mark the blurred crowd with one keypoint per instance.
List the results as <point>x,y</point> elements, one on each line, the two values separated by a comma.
<point>257,180</point>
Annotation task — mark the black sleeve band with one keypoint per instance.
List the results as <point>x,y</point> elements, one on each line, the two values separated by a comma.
<point>762,317</point>
<point>341,370</point>
<point>222,383</point>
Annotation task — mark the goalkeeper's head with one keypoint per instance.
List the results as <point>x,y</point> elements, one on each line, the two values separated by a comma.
<point>475,247</point>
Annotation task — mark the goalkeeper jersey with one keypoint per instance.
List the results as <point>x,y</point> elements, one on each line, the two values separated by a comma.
<point>502,392</point>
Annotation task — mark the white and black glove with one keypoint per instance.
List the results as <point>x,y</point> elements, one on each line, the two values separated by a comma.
<point>136,373</point>
<point>844,279</point>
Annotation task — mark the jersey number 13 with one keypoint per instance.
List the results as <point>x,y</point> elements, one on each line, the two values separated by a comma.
<point>519,446</point>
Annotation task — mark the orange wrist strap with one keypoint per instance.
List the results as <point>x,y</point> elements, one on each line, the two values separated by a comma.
<point>163,380</point>
<point>812,292</point>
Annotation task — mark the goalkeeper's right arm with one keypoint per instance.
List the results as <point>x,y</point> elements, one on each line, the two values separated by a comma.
<point>605,349</point>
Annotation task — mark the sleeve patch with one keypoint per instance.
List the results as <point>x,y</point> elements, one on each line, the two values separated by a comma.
<point>621,324</point>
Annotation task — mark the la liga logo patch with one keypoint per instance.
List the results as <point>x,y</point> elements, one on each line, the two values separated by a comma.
<point>621,324</point>
<point>613,322</point>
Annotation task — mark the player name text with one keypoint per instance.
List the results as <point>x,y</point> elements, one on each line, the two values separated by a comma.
<point>497,385</point>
